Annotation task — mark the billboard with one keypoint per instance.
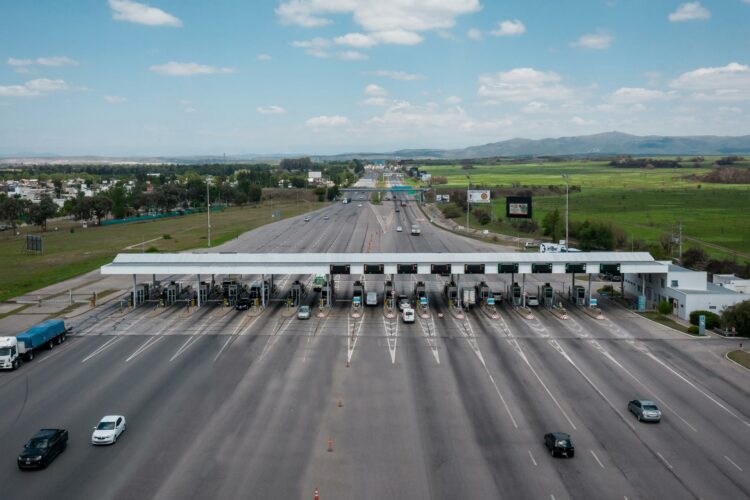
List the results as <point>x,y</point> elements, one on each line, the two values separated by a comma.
<point>518,207</point>
<point>438,197</point>
<point>447,198</point>
<point>479,196</point>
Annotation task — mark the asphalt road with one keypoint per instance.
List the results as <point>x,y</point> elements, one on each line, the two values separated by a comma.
<point>228,406</point>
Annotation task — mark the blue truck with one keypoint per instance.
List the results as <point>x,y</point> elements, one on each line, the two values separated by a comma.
<point>22,347</point>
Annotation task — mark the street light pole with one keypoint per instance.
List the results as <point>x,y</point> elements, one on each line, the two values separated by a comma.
<point>567,243</point>
<point>467,203</point>
<point>208,211</point>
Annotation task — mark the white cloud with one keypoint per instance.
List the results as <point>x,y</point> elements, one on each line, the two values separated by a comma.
<point>352,55</point>
<point>510,28</point>
<point>263,57</point>
<point>375,90</point>
<point>12,61</point>
<point>474,34</point>
<point>522,84</point>
<point>723,83</point>
<point>358,40</point>
<point>377,101</point>
<point>396,75</point>
<point>535,107</point>
<point>114,99</point>
<point>139,13</point>
<point>33,88</point>
<point>190,109</point>
<point>628,95</point>
<point>453,99</point>
<point>173,68</point>
<point>599,40</point>
<point>731,109</point>
<point>270,110</point>
<point>404,115</point>
<point>493,125</point>
<point>398,37</point>
<point>56,61</point>
<point>24,66</point>
<point>690,11</point>
<point>577,120</point>
<point>325,121</point>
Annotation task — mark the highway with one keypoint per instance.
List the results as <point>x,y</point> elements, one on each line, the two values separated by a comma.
<point>224,405</point>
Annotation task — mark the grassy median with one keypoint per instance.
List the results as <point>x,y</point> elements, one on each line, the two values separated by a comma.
<point>68,254</point>
<point>740,357</point>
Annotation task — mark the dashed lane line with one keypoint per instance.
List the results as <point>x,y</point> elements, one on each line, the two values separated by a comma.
<point>597,459</point>
<point>102,348</point>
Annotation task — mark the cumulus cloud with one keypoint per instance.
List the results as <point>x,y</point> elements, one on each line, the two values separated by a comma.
<point>327,122</point>
<point>43,61</point>
<point>173,68</point>
<point>139,13</point>
<point>270,110</point>
<point>263,57</point>
<point>351,55</point>
<point>690,11</point>
<point>377,101</point>
<point>404,115</point>
<point>510,28</point>
<point>522,84</point>
<point>474,34</point>
<point>577,120</point>
<point>33,88</point>
<point>114,99</point>
<point>396,75</point>
<point>599,40</point>
<point>628,95</point>
<point>723,83</point>
<point>453,99</point>
<point>375,90</point>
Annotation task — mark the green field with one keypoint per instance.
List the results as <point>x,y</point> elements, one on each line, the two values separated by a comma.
<point>69,254</point>
<point>644,203</point>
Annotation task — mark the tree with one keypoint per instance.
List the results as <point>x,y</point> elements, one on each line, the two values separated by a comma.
<point>737,317</point>
<point>551,224</point>
<point>695,258</point>
<point>595,236</point>
<point>40,212</point>
<point>254,193</point>
<point>119,201</point>
<point>712,319</point>
<point>10,210</point>
<point>333,192</point>
<point>664,308</point>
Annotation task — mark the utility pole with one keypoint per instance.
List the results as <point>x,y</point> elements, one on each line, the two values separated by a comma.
<point>680,251</point>
<point>468,204</point>
<point>567,205</point>
<point>208,211</point>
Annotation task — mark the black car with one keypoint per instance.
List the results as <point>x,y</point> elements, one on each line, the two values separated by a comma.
<point>42,448</point>
<point>559,444</point>
<point>243,303</point>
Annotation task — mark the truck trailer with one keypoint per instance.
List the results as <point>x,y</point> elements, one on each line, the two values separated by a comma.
<point>22,347</point>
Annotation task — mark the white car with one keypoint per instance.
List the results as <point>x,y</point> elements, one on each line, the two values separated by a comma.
<point>408,315</point>
<point>108,430</point>
<point>359,204</point>
<point>399,229</point>
<point>532,301</point>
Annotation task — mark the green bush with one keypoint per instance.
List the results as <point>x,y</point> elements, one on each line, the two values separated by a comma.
<point>168,236</point>
<point>152,250</point>
<point>664,308</point>
<point>712,319</point>
<point>693,330</point>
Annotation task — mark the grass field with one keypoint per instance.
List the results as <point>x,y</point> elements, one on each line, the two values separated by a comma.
<point>69,254</point>
<point>645,203</point>
<point>741,358</point>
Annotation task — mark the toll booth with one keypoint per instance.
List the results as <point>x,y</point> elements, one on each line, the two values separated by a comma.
<point>204,291</point>
<point>326,293</point>
<point>484,292</point>
<point>358,291</point>
<point>230,291</point>
<point>579,295</point>
<point>451,292</point>
<point>388,293</point>
<point>296,292</point>
<point>140,294</point>
<point>256,292</point>
<point>515,294</point>
<point>547,295</point>
<point>420,290</point>
<point>171,293</point>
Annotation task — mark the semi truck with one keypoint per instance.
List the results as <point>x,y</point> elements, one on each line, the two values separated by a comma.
<point>14,350</point>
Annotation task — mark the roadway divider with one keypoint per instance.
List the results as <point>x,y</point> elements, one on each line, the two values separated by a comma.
<point>490,311</point>
<point>323,310</point>
<point>289,310</point>
<point>455,311</point>
<point>560,312</point>
<point>525,312</point>
<point>423,311</point>
<point>594,312</point>
<point>256,309</point>
<point>388,311</point>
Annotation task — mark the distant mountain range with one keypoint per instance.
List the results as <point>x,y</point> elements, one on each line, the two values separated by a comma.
<point>604,144</point>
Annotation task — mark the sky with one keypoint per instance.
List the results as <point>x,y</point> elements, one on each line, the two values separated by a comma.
<point>189,77</point>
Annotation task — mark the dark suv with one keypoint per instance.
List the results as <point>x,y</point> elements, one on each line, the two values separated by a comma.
<point>42,448</point>
<point>559,444</point>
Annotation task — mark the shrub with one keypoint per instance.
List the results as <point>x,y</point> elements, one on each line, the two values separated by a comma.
<point>664,308</point>
<point>167,237</point>
<point>693,330</point>
<point>712,319</point>
<point>152,250</point>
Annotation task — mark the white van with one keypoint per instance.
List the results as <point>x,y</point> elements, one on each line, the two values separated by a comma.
<point>371,299</point>
<point>408,315</point>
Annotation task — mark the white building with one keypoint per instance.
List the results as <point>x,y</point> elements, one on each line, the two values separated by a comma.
<point>732,282</point>
<point>686,290</point>
<point>314,177</point>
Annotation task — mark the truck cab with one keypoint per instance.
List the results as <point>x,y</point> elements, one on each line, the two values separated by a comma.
<point>415,230</point>
<point>9,359</point>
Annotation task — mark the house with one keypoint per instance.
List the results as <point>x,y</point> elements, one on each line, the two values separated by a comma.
<point>732,282</point>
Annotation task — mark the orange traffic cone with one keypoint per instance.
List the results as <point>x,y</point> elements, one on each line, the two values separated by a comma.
<point>317,496</point>
<point>341,403</point>
<point>330,444</point>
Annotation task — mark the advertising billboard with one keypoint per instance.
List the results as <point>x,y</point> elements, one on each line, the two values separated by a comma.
<point>518,207</point>
<point>479,196</point>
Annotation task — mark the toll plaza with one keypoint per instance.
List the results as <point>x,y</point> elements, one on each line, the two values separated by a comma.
<point>462,272</point>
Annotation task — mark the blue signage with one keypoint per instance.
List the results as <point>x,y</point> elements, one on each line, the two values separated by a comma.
<point>701,325</point>
<point>641,302</point>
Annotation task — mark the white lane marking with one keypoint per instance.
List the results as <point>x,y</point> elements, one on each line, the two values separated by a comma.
<point>597,459</point>
<point>475,346</point>
<point>151,341</point>
<point>58,350</point>
<point>551,497</point>
<point>102,348</point>
<point>732,462</point>
<point>664,460</point>
<point>275,337</point>
<point>352,334</point>
<point>192,339</point>
<point>391,333</point>
<point>717,403</point>
<point>532,459</point>
<point>519,351</point>
<point>429,333</point>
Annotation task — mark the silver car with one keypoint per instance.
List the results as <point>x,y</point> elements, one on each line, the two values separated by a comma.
<point>645,410</point>
<point>303,312</point>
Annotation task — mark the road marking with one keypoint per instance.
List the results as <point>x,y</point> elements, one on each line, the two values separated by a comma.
<point>151,341</point>
<point>597,459</point>
<point>698,389</point>
<point>429,333</point>
<point>102,348</point>
<point>532,459</point>
<point>391,333</point>
<point>732,462</point>
<point>349,344</point>
<point>192,339</point>
<point>664,460</point>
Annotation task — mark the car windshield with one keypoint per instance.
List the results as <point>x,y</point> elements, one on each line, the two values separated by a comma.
<point>4,351</point>
<point>650,407</point>
<point>38,443</point>
<point>304,309</point>
<point>105,426</point>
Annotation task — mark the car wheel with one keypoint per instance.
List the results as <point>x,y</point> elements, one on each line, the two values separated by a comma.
<point>62,338</point>
<point>572,454</point>
<point>552,452</point>
<point>29,356</point>
<point>639,417</point>
<point>50,344</point>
